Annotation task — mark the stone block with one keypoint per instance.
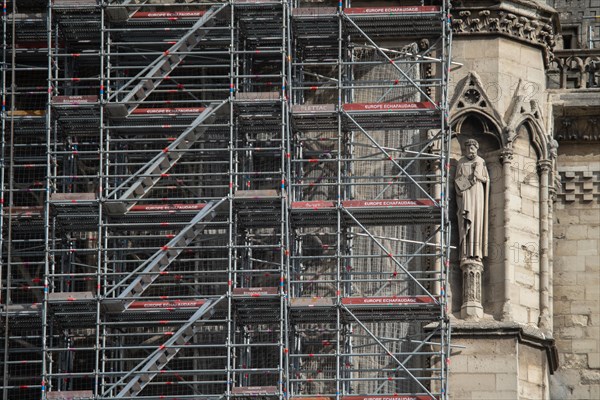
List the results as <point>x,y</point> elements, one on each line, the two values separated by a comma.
<point>563,217</point>
<point>592,263</point>
<point>580,392</point>
<point>578,320</point>
<point>529,298</point>
<point>530,391</point>
<point>564,345</point>
<point>569,293</point>
<point>593,360</point>
<point>524,277</point>
<point>592,292</point>
<point>587,247</point>
<point>562,307</point>
<point>588,278</point>
<point>459,364</point>
<point>584,307</point>
<point>535,373</point>
<point>585,346</point>
<point>565,248</point>
<point>570,332</point>
<point>495,395</point>
<point>530,192</point>
<point>495,364</point>
<point>576,232</point>
<point>562,278</point>
<point>474,382</point>
<point>507,381</point>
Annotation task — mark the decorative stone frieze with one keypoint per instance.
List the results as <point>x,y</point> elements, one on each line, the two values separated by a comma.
<point>583,129</point>
<point>504,21</point>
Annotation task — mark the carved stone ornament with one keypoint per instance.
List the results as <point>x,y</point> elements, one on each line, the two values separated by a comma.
<point>472,274</point>
<point>582,129</point>
<point>471,94</point>
<point>502,22</point>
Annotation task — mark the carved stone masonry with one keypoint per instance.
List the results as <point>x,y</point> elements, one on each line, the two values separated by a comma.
<point>513,25</point>
<point>471,273</point>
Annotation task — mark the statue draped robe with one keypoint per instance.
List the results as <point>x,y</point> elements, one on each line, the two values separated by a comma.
<point>472,194</point>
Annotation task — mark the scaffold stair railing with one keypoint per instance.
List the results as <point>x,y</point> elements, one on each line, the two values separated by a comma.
<point>141,182</point>
<point>153,74</point>
<point>151,269</point>
<point>141,375</point>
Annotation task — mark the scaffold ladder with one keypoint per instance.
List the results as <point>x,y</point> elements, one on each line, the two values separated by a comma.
<point>154,73</point>
<point>141,182</point>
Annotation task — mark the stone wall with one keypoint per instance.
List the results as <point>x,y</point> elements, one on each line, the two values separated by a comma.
<point>577,273</point>
<point>485,369</point>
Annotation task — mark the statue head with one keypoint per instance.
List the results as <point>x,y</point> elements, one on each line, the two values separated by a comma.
<point>471,147</point>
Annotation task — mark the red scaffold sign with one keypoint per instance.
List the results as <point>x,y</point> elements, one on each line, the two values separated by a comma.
<point>74,100</point>
<point>387,203</point>
<point>401,300</point>
<point>255,292</point>
<point>167,304</point>
<point>168,14</point>
<point>404,106</point>
<point>392,10</point>
<point>168,207</point>
<point>399,397</point>
<point>168,111</point>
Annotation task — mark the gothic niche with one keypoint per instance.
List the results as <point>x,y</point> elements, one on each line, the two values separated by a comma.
<point>475,173</point>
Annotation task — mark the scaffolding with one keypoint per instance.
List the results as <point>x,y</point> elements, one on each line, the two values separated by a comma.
<point>239,199</point>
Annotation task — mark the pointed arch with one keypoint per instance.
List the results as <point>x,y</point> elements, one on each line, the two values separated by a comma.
<point>489,126</point>
<point>537,136</point>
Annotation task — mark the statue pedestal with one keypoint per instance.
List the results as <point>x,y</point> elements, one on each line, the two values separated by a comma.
<point>471,274</point>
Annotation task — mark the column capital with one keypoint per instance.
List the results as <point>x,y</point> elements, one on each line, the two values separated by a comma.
<point>506,155</point>
<point>544,166</point>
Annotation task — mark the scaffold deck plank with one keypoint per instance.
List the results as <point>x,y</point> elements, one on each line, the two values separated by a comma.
<point>70,395</point>
<point>366,309</point>
<point>376,116</point>
<point>368,212</point>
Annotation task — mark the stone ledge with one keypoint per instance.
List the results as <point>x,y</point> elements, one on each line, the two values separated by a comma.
<point>525,334</point>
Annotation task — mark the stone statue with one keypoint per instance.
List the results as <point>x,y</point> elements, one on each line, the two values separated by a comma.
<point>472,194</point>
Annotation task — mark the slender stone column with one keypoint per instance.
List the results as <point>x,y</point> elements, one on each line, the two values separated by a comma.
<point>544,167</point>
<point>506,159</point>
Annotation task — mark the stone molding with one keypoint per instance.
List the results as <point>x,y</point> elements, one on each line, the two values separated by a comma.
<point>497,21</point>
<point>527,334</point>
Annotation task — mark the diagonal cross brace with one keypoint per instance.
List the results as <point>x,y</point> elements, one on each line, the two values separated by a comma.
<point>151,269</point>
<point>394,259</point>
<point>388,352</point>
<point>151,366</point>
<point>153,74</point>
<point>145,178</point>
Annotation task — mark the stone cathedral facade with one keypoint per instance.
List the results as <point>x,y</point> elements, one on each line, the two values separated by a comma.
<point>526,86</point>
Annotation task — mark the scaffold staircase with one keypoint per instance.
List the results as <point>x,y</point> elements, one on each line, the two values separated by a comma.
<point>136,90</point>
<point>143,276</point>
<point>139,184</point>
<point>142,374</point>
